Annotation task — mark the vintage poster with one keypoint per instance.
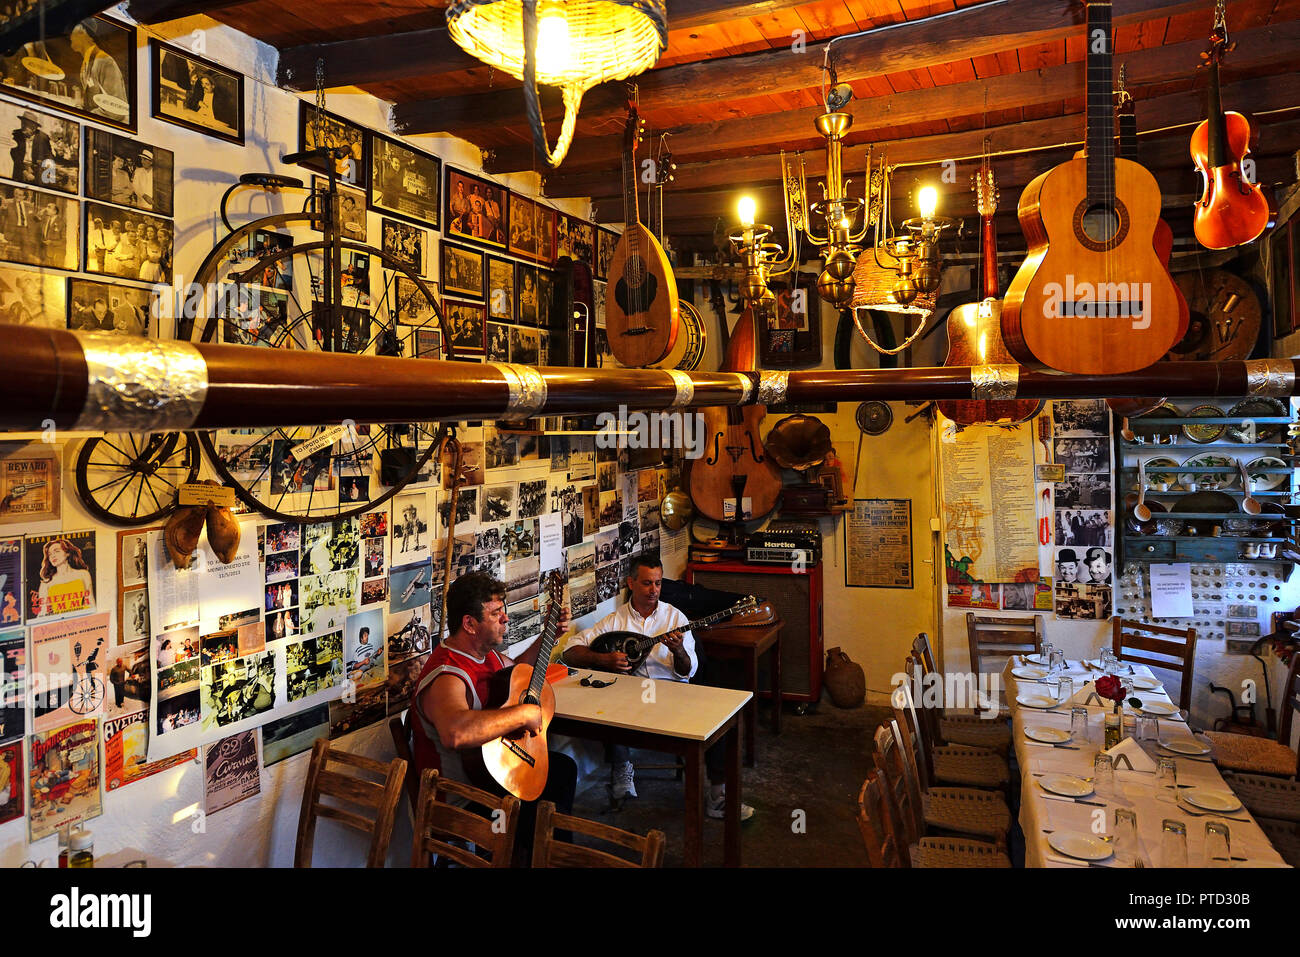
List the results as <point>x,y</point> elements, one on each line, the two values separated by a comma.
<point>126,740</point>
<point>11,782</point>
<point>64,777</point>
<point>13,684</point>
<point>60,575</point>
<point>878,544</point>
<point>11,582</point>
<point>990,530</point>
<point>974,596</point>
<point>29,483</point>
<point>294,733</point>
<point>231,771</point>
<point>68,672</point>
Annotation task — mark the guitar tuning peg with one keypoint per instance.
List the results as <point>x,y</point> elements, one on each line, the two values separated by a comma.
<point>672,165</point>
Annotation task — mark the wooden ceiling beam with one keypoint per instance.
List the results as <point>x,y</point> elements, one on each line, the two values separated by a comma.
<point>1271,46</point>
<point>1279,93</point>
<point>160,11</point>
<point>1002,25</point>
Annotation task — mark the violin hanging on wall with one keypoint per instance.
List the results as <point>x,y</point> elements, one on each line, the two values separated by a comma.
<point>1231,210</point>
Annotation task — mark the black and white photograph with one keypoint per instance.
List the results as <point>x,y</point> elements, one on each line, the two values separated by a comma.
<point>629,538</point>
<point>649,515</point>
<point>545,296</point>
<point>576,239</point>
<point>31,298</point>
<point>498,342</point>
<point>607,583</point>
<point>411,307</point>
<point>134,622</point>
<point>519,540</point>
<point>532,499</point>
<point>352,207</point>
<point>462,270</point>
<point>354,327</point>
<point>404,182</point>
<point>1083,490</point>
<point>196,93</point>
<point>463,327</point>
<point>498,503</point>
<point>89,71</point>
<point>650,541</point>
<point>476,209</point>
<point>129,173</point>
<point>606,242</point>
<point>403,243</point>
<point>335,131</point>
<point>532,230</point>
<point>488,539</point>
<point>1074,418</point>
<point>39,149</point>
<point>582,596</point>
<point>501,289</point>
<point>128,244</point>
<point>580,560</point>
<point>38,229</point>
<point>526,292</point>
<point>1083,602</point>
<point>521,579</point>
<point>410,528</point>
<point>525,622</point>
<point>606,543</point>
<point>109,307</point>
<point>500,449</point>
<point>1084,455</point>
<point>466,509</point>
<point>1084,526</point>
<point>523,346</point>
<point>331,546</point>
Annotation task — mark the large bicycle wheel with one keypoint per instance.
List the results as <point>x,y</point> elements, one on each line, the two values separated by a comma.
<point>87,695</point>
<point>265,288</point>
<point>128,479</point>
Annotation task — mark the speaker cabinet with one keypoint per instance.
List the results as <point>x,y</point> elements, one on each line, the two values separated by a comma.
<point>797,599</point>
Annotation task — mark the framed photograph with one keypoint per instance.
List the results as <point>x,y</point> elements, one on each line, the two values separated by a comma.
<point>88,71</point>
<point>354,331</point>
<point>526,295</point>
<point>498,342</point>
<point>523,346</point>
<point>121,242</point>
<point>38,229</point>
<point>404,182</point>
<point>792,332</point>
<point>464,327</point>
<point>31,298</point>
<point>501,289</point>
<point>545,296</point>
<point>278,274</point>
<point>476,209</point>
<point>110,307</point>
<point>606,242</point>
<point>352,208</point>
<point>404,243</point>
<point>354,169</point>
<point>127,172</point>
<point>39,149</point>
<point>428,343</point>
<point>575,238</point>
<point>189,91</point>
<point>532,230</point>
<point>462,270</point>
<point>411,306</point>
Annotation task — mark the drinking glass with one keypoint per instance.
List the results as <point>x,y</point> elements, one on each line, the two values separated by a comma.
<point>1127,851</point>
<point>1107,661</point>
<point>1103,774</point>
<point>1079,724</point>
<point>1046,652</point>
<point>1173,843</point>
<point>1167,779</point>
<point>1057,661</point>
<point>1148,727</point>
<point>1065,690</point>
<point>1218,844</point>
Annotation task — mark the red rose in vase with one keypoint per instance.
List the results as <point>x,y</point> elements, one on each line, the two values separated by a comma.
<point>1111,688</point>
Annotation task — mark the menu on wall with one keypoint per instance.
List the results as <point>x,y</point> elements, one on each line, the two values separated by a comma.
<point>990,529</point>
<point>878,544</point>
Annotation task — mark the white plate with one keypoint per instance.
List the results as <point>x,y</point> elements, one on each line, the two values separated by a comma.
<point>1143,683</point>
<point>1083,847</point>
<point>1048,735</point>
<point>1266,482</point>
<point>1037,701</point>
<point>1033,674</point>
<point>1211,799</point>
<point>1185,746</point>
<point>1065,784</point>
<point>1035,659</point>
<point>1161,709</point>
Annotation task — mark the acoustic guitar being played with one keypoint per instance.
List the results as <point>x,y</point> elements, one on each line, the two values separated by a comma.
<point>1092,296</point>
<point>641,314</point>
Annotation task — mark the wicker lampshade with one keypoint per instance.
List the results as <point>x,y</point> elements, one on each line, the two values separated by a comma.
<point>605,40</point>
<point>871,287</point>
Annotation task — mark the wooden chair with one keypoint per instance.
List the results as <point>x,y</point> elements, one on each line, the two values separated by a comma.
<point>377,800</point>
<point>953,764</point>
<point>1172,649</point>
<point>1244,752</point>
<point>438,824</point>
<point>550,852</point>
<point>990,637</point>
<point>978,730</point>
<point>400,729</point>
<point>877,826</point>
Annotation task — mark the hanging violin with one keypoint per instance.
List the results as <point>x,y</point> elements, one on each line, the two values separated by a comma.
<point>1232,210</point>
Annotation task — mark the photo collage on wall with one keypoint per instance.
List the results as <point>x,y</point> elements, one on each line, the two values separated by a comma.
<point>1083,519</point>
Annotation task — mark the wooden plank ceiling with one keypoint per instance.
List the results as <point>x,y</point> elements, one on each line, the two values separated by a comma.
<point>932,79</point>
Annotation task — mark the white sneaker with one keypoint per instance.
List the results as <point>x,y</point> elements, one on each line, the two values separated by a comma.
<point>717,804</point>
<point>621,783</point>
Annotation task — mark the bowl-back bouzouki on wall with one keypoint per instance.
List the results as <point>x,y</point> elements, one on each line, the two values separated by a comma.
<point>1092,296</point>
<point>641,299</point>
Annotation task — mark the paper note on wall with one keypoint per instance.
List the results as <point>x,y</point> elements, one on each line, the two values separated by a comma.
<point>1171,591</point>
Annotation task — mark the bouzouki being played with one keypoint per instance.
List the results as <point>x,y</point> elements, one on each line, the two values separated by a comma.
<point>1092,296</point>
<point>641,312</point>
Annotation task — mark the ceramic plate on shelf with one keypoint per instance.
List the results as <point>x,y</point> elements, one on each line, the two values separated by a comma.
<point>1143,683</point>
<point>1065,784</point>
<point>1206,502</point>
<point>1189,746</point>
<point>1033,700</point>
<point>1212,799</point>
<point>1161,709</point>
<point>1083,847</point>
<point>1048,735</point>
<point>1201,434</point>
<point>1209,481</point>
<point>1261,408</point>
<point>1268,481</point>
<point>1161,470</point>
<point>1029,672</point>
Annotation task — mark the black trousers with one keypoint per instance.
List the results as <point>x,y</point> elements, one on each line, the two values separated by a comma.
<point>561,786</point>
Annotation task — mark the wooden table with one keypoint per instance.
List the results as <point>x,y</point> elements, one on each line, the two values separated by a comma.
<point>747,645</point>
<point>667,716</point>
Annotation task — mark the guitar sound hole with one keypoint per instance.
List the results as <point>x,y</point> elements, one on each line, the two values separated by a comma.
<point>1100,223</point>
<point>635,270</point>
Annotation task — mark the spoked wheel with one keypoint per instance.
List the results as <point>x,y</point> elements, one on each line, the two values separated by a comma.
<point>87,695</point>
<point>126,478</point>
<point>272,298</point>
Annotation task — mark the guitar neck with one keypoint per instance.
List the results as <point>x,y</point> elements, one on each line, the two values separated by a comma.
<point>550,633</point>
<point>631,210</point>
<point>1128,131</point>
<point>1101,109</point>
<point>989,239</point>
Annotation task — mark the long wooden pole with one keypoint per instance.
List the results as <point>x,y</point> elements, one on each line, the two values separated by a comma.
<point>87,381</point>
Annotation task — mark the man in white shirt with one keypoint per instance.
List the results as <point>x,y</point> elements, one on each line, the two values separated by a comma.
<point>673,658</point>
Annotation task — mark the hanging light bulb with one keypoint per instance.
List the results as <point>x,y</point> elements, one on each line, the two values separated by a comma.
<point>747,209</point>
<point>554,57</point>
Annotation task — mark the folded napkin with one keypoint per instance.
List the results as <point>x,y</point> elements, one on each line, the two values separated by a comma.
<point>1136,756</point>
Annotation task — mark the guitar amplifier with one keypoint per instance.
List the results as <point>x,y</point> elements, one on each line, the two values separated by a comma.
<point>784,542</point>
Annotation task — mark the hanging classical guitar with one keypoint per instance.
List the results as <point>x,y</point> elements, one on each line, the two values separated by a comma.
<point>520,763</point>
<point>1231,210</point>
<point>688,351</point>
<point>734,467</point>
<point>1092,296</point>
<point>641,312</point>
<point>975,329</point>
<point>637,646</point>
